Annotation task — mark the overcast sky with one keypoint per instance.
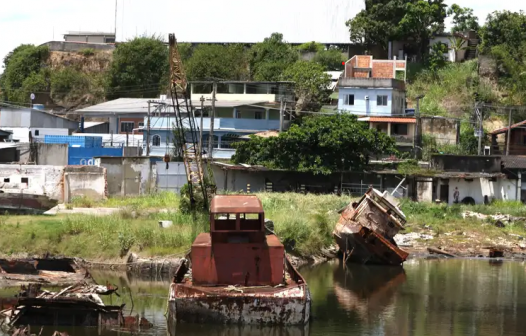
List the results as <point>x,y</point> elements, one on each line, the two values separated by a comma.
<point>39,21</point>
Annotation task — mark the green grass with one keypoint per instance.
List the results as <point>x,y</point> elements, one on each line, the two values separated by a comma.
<point>304,223</point>
<point>442,219</point>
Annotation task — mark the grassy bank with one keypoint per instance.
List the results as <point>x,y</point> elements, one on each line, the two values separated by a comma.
<point>303,222</point>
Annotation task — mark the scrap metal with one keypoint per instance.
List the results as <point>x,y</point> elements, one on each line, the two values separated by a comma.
<point>366,229</point>
<point>239,272</point>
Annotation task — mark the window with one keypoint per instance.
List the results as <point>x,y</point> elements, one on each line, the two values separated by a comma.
<point>399,129</point>
<point>524,139</point>
<point>381,100</point>
<point>141,125</point>
<point>156,140</point>
<point>37,132</point>
<point>127,126</point>
<point>349,99</point>
<point>258,115</point>
<point>238,114</point>
<point>6,180</point>
<point>109,40</point>
<point>25,180</point>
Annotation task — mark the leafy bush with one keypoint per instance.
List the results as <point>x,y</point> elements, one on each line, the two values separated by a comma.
<point>87,52</point>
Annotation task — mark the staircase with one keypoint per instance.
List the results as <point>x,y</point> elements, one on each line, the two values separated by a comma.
<point>472,50</point>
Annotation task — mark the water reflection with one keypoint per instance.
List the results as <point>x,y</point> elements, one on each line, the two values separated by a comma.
<point>368,291</point>
<point>425,298</point>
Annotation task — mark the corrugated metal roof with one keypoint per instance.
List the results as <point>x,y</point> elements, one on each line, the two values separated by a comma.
<point>505,129</point>
<point>514,161</point>
<point>389,120</point>
<point>140,105</point>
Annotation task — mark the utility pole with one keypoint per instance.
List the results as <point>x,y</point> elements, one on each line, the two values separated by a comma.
<point>508,136</point>
<point>115,31</point>
<point>211,134</point>
<point>201,126</point>
<point>281,116</point>
<point>480,115</point>
<point>418,131</point>
<point>148,130</point>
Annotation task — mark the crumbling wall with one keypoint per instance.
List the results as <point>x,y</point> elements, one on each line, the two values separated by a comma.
<point>445,131</point>
<point>128,175</point>
<point>84,181</point>
<point>51,154</point>
<point>31,179</point>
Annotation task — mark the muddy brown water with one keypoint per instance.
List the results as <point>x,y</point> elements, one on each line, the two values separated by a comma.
<point>426,297</point>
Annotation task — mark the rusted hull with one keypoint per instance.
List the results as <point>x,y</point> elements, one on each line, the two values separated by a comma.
<point>27,203</point>
<point>290,306</point>
<point>361,245</point>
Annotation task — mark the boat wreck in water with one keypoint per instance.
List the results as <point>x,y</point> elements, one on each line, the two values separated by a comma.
<point>77,305</point>
<point>25,203</point>
<point>237,274</point>
<point>48,271</point>
<point>366,229</point>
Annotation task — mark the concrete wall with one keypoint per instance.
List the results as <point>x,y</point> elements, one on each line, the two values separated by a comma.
<point>31,179</point>
<point>356,183</point>
<point>50,154</point>
<point>85,181</point>
<point>128,175</point>
<point>76,46</point>
<point>501,189</point>
<point>25,117</point>
<point>444,130</point>
<point>466,163</point>
<point>57,182</point>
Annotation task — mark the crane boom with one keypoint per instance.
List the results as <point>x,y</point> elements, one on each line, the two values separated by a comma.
<point>185,128</point>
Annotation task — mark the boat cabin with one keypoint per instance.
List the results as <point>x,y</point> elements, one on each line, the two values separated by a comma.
<point>237,251</point>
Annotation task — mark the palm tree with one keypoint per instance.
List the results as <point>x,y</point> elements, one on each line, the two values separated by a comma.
<point>457,44</point>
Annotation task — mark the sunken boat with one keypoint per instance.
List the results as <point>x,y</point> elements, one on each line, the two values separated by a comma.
<point>366,229</point>
<point>48,271</point>
<point>238,273</point>
<point>25,203</point>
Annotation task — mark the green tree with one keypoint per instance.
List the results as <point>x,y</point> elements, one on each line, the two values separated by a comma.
<point>311,47</point>
<point>138,69</point>
<point>378,23</point>
<point>463,19</point>
<point>21,73</point>
<point>318,144</point>
<point>311,84</point>
<point>269,59</point>
<point>503,27</point>
<point>330,60</point>
<point>386,20</point>
<point>436,59</point>
<point>216,61</point>
<point>422,20</point>
<point>68,85</point>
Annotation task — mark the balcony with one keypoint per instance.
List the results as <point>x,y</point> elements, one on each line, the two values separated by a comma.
<point>230,124</point>
<point>372,83</point>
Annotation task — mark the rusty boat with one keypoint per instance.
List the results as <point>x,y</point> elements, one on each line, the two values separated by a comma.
<point>238,273</point>
<point>366,229</point>
<point>25,203</point>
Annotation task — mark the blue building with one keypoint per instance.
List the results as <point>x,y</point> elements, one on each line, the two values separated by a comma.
<point>230,124</point>
<point>241,108</point>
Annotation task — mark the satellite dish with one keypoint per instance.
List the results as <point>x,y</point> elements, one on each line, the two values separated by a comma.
<point>32,96</point>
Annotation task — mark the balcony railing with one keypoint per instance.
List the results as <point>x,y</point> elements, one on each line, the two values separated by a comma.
<point>403,139</point>
<point>220,123</point>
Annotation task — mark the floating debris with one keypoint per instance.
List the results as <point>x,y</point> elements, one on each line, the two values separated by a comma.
<point>77,305</point>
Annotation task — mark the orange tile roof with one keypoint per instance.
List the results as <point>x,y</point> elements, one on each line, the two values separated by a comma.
<point>393,120</point>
